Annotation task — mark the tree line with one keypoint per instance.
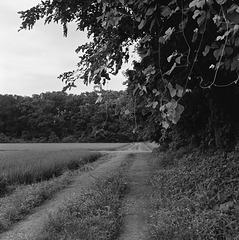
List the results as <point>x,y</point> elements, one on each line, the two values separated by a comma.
<point>62,117</point>
<point>113,116</point>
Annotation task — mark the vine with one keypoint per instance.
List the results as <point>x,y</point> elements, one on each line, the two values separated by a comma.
<point>170,108</point>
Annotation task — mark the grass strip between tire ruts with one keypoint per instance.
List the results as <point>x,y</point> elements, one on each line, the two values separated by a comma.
<point>93,215</point>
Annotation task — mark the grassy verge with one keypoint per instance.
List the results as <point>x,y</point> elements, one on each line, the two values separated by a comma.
<point>27,168</point>
<point>95,215</point>
<point>196,196</point>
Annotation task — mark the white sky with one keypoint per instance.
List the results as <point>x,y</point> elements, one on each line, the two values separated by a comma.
<point>30,61</point>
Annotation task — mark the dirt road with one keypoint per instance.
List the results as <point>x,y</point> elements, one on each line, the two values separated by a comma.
<point>135,205</point>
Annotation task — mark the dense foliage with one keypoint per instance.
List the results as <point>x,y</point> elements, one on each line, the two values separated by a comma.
<point>187,47</point>
<point>59,117</point>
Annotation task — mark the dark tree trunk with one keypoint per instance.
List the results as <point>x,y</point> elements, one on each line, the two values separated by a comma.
<point>215,120</point>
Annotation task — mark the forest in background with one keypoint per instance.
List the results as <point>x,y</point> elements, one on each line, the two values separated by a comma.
<point>114,116</point>
<point>62,117</point>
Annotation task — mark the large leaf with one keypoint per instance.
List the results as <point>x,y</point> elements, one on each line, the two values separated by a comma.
<point>142,23</point>
<point>150,11</point>
<point>155,104</point>
<point>180,90</point>
<point>218,53</point>
<point>165,125</point>
<point>179,110</point>
<point>172,91</point>
<point>166,12</point>
<point>206,50</point>
<point>197,3</point>
<point>221,1</point>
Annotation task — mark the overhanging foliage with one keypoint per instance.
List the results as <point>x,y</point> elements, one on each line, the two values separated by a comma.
<point>182,44</point>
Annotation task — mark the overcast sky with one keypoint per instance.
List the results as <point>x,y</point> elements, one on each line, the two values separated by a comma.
<point>30,61</point>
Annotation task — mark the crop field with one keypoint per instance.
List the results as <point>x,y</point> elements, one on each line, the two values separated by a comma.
<point>30,163</point>
<point>32,173</point>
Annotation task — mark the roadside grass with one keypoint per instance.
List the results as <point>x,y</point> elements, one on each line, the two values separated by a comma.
<point>16,206</point>
<point>196,196</point>
<point>27,167</point>
<point>94,215</point>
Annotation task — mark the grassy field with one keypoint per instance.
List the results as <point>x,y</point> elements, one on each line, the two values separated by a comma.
<point>33,173</point>
<point>30,163</point>
<point>31,166</point>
